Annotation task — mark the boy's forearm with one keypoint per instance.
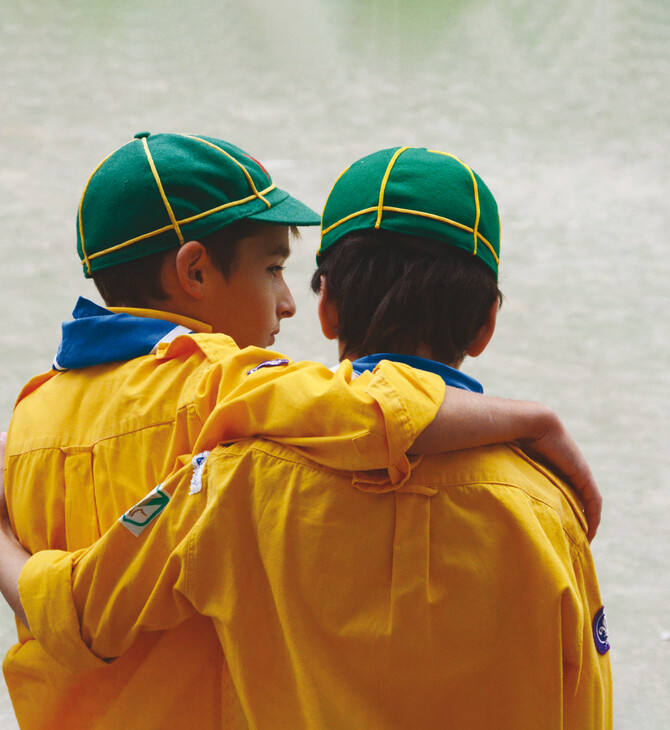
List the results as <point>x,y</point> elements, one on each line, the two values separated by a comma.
<point>466,420</point>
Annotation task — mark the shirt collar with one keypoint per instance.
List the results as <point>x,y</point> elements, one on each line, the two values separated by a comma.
<point>96,335</point>
<point>192,324</point>
<point>451,376</point>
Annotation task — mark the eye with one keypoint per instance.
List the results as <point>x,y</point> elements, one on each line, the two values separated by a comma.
<point>276,269</point>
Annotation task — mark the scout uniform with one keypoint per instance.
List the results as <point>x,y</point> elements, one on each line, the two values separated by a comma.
<point>465,597</point>
<point>131,390</point>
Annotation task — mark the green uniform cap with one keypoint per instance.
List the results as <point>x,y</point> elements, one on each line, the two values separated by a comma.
<point>419,192</point>
<point>160,190</point>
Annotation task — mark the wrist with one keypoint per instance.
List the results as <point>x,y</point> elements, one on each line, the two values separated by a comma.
<point>538,421</point>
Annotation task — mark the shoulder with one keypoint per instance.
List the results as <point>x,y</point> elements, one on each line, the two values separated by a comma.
<point>505,475</point>
<point>206,346</point>
<point>267,454</point>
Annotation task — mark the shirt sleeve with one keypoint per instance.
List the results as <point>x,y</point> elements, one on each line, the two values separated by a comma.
<point>129,580</point>
<point>587,676</point>
<point>332,418</point>
<point>362,423</point>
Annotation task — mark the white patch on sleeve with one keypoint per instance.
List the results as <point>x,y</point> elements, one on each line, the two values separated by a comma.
<point>198,467</point>
<point>139,517</point>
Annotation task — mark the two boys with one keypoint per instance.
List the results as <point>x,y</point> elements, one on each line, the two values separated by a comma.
<point>195,391</point>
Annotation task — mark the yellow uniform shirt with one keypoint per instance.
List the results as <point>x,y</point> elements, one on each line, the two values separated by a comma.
<point>464,598</point>
<point>85,445</point>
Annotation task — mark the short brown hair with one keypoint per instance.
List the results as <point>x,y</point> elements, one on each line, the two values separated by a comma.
<point>400,293</point>
<point>137,283</point>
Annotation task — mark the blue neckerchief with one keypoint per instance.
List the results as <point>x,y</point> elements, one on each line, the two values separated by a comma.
<point>451,376</point>
<point>96,336</point>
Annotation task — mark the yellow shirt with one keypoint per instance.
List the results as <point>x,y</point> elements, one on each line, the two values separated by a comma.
<point>85,445</point>
<point>463,598</point>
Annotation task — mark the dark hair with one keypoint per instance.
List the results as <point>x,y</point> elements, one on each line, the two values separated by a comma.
<point>399,293</point>
<point>138,283</point>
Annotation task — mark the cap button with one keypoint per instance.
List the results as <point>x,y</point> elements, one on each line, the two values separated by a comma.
<point>140,135</point>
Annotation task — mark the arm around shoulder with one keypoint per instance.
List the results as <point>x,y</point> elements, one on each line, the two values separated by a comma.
<point>467,420</point>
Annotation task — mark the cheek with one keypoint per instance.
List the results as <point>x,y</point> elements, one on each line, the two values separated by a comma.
<point>263,306</point>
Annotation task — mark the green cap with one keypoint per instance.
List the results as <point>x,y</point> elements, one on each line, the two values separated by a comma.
<point>419,192</point>
<point>160,190</point>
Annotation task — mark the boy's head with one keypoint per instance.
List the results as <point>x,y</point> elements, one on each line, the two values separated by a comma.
<point>409,257</point>
<point>166,217</point>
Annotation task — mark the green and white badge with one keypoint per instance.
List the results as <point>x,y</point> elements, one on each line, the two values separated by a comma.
<point>137,518</point>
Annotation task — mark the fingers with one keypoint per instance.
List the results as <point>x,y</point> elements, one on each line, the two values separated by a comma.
<point>585,485</point>
<point>583,481</point>
<point>557,448</point>
<point>593,506</point>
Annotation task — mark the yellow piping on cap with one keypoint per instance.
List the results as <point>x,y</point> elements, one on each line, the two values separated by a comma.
<point>86,259</point>
<point>380,206</point>
<point>318,253</point>
<point>450,222</point>
<point>348,218</point>
<point>130,241</point>
<point>181,222</point>
<point>239,164</point>
<point>326,203</point>
<point>231,204</point>
<point>476,195</point>
<point>166,202</point>
<point>175,224</point>
<point>422,214</point>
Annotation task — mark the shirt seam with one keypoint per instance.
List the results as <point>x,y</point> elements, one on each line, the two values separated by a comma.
<point>318,468</point>
<point>498,483</point>
<point>252,444</point>
<point>93,444</point>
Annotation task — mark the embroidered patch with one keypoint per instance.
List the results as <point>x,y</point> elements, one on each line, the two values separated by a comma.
<point>600,635</point>
<point>145,511</point>
<point>269,364</point>
<point>198,462</point>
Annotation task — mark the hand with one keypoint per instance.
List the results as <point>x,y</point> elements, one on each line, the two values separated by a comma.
<point>556,446</point>
<point>467,420</point>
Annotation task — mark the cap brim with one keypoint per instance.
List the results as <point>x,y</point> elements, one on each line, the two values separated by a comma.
<point>290,212</point>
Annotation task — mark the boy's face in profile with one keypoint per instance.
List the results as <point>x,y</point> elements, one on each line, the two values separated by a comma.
<point>254,298</point>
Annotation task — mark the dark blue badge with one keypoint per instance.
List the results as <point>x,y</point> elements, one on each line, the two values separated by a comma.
<point>269,364</point>
<point>600,635</point>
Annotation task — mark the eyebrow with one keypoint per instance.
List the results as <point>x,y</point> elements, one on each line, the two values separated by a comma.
<point>283,250</point>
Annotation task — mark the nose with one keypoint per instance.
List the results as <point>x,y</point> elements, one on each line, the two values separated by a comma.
<point>285,305</point>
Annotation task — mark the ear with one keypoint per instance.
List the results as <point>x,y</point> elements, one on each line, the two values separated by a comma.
<point>485,333</point>
<point>327,311</point>
<point>191,265</point>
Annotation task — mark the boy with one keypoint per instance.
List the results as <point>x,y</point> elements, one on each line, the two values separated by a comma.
<point>185,238</point>
<point>294,564</point>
